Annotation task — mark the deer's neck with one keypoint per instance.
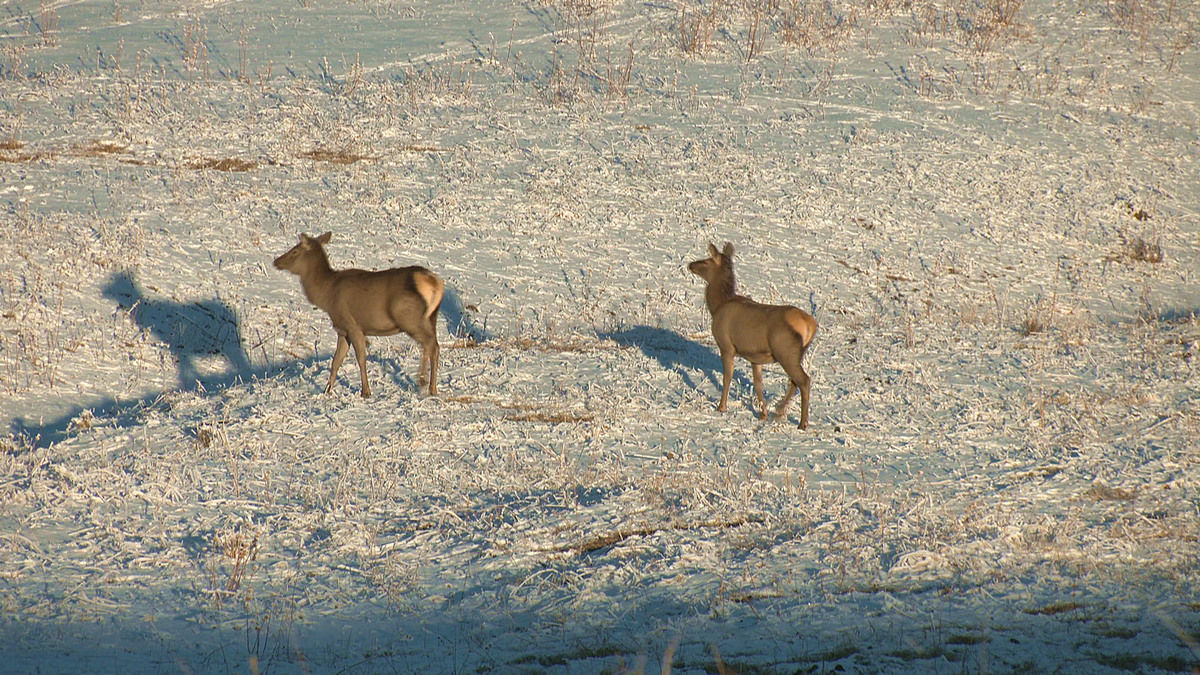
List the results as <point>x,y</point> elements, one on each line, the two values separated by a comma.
<point>720,291</point>
<point>316,278</point>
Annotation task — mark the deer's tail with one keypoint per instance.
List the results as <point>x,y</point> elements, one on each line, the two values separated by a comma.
<point>803,323</point>
<point>431,289</point>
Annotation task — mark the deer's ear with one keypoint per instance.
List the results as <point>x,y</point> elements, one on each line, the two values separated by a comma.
<point>324,239</point>
<point>728,252</point>
<point>712,251</point>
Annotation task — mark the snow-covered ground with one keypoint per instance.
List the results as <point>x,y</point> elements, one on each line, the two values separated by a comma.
<point>994,217</point>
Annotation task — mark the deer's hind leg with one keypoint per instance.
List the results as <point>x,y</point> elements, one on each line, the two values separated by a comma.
<point>799,380</point>
<point>792,349</point>
<point>427,373</point>
<point>781,409</point>
<point>360,353</point>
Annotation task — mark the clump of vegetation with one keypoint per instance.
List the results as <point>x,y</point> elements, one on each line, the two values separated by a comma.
<point>12,150</point>
<point>233,554</point>
<point>225,164</point>
<point>1139,250</point>
<point>334,156</point>
<point>98,149</point>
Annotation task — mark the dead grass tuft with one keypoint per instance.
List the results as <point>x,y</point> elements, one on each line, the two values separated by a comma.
<point>1056,608</point>
<point>98,149</point>
<point>549,417</point>
<point>420,148</point>
<point>11,150</point>
<point>1101,493</point>
<point>226,164</point>
<point>527,412</point>
<point>335,156</point>
<point>561,346</point>
<point>1032,325</point>
<point>609,539</point>
<point>697,26</point>
<point>1140,250</point>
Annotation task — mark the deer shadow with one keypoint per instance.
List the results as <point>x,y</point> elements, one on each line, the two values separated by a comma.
<point>676,353</point>
<point>191,331</point>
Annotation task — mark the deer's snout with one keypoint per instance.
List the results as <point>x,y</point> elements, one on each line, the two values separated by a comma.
<point>283,262</point>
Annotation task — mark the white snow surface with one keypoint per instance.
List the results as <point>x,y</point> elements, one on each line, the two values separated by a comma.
<point>995,221</point>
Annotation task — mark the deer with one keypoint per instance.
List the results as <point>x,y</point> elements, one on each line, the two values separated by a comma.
<point>361,303</point>
<point>757,332</point>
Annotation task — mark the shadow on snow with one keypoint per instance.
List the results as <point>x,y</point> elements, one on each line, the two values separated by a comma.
<point>678,354</point>
<point>193,331</point>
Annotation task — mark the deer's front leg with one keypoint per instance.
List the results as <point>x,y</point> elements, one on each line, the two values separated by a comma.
<point>338,355</point>
<point>726,377</point>
<point>758,390</point>
<point>360,353</point>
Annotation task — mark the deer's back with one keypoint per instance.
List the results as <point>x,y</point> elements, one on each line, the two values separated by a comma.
<point>752,326</point>
<point>383,302</point>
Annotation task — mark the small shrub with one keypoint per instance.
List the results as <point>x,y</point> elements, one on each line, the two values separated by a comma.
<point>1140,250</point>
<point>1032,324</point>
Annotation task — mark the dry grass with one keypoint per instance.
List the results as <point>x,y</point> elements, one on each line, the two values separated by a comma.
<point>48,23</point>
<point>98,149</point>
<point>1104,493</point>
<point>697,26</point>
<point>1138,249</point>
<point>226,164</point>
<point>344,157</point>
<point>560,417</point>
<point>233,556</point>
<point>608,539</point>
<point>528,412</point>
<point>13,151</point>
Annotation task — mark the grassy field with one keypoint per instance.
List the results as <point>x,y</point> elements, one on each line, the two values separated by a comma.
<point>991,207</point>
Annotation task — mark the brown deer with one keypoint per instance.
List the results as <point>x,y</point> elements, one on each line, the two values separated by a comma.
<point>362,303</point>
<point>758,333</point>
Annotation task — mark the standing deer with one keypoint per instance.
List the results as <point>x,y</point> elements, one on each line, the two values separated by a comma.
<point>757,332</point>
<point>362,303</point>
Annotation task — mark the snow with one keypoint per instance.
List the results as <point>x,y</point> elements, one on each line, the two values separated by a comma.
<point>999,234</point>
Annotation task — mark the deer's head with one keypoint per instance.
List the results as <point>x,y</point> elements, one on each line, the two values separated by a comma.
<point>717,265</point>
<point>297,257</point>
